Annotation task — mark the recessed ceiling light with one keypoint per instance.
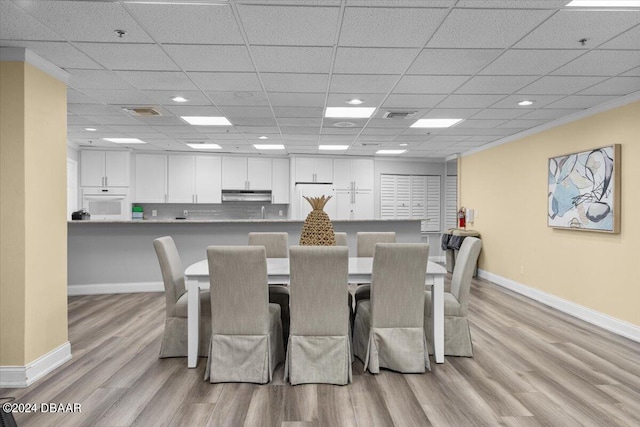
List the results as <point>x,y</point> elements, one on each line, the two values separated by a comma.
<point>403,144</point>
<point>206,120</point>
<point>269,146</point>
<point>349,112</point>
<point>604,3</point>
<point>525,103</point>
<point>205,146</point>
<point>344,124</point>
<point>435,123</point>
<point>263,137</point>
<point>391,151</point>
<point>125,140</point>
<point>90,129</point>
<point>355,101</point>
<point>333,147</point>
<point>179,99</point>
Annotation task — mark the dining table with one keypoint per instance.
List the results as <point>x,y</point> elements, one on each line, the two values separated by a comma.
<point>360,268</point>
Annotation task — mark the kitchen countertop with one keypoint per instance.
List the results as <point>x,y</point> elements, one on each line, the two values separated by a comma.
<point>222,221</point>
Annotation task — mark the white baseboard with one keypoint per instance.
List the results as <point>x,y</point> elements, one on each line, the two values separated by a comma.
<point>24,376</point>
<point>617,326</point>
<point>114,288</point>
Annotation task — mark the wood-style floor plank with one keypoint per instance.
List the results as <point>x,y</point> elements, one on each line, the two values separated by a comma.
<point>532,366</point>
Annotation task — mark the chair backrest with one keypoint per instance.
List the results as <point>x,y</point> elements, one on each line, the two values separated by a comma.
<point>397,285</point>
<point>172,271</point>
<point>318,290</point>
<point>463,270</point>
<point>276,244</point>
<point>341,239</point>
<point>367,242</point>
<point>239,290</point>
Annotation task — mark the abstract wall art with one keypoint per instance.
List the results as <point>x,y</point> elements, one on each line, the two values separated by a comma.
<point>584,190</point>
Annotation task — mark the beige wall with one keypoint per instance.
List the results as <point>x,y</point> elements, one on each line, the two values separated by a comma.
<point>33,221</point>
<point>507,185</point>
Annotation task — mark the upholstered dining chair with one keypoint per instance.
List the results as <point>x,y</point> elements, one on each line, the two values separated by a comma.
<point>319,348</point>
<point>389,328</point>
<point>277,246</point>
<point>457,334</point>
<point>246,331</point>
<point>341,239</point>
<point>174,340</point>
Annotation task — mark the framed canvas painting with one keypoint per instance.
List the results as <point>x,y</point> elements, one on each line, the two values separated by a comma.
<point>584,190</point>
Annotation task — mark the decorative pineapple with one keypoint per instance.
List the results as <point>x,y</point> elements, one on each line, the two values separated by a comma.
<point>317,229</point>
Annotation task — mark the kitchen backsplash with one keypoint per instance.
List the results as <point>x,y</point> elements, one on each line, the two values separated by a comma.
<point>226,210</point>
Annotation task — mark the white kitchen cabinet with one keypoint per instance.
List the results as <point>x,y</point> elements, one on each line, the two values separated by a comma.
<point>353,181</point>
<point>151,178</point>
<point>208,179</point>
<point>104,168</point>
<point>181,179</point>
<point>281,186</point>
<point>242,173</point>
<point>313,170</point>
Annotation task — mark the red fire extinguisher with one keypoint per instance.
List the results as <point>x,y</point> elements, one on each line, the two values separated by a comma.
<point>461,218</point>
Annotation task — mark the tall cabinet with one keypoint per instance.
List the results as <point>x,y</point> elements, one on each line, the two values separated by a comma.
<point>353,181</point>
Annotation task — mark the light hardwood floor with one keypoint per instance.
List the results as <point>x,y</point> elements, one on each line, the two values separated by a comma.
<point>533,366</point>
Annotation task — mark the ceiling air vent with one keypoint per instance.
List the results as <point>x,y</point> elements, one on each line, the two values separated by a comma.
<point>142,111</point>
<point>369,144</point>
<point>398,115</point>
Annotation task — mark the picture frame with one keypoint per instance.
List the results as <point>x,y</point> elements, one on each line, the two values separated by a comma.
<point>584,190</point>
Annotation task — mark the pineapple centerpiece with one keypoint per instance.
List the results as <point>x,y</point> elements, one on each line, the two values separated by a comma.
<point>317,229</point>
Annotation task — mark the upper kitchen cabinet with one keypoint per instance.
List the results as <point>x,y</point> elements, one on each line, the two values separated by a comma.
<point>313,170</point>
<point>241,173</point>
<point>151,178</point>
<point>104,168</point>
<point>194,179</point>
<point>281,188</point>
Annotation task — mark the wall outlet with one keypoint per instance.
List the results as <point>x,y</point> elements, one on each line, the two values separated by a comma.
<point>154,212</point>
<point>185,213</point>
<point>279,213</point>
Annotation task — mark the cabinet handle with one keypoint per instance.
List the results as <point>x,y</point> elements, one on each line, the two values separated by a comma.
<point>196,196</point>
<point>106,181</point>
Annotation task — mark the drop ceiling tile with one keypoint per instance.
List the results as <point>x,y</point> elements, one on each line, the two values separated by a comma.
<point>91,21</point>
<point>163,97</point>
<point>337,139</point>
<point>565,28</point>
<point>61,54</point>
<point>198,24</point>
<point>483,139</point>
<point>452,61</point>
<point>626,40</point>
<point>284,99</point>
<point>381,132</point>
<point>376,138</point>
<point>488,28</point>
<point>634,72</point>
<point>93,110</point>
<point>552,85</point>
<point>96,79</point>
<point>246,112</point>
<point>112,120</point>
<point>495,84</point>
<point>298,112</point>
<point>193,110</point>
<point>511,102</point>
<point>488,132</point>
<point>288,82</point>
<point>311,26</point>
<point>614,86</point>
<point>177,131</point>
<point>165,121</point>
<point>388,123</point>
<point>16,24</point>
<point>117,96</point>
<point>299,121</point>
<point>236,99</point>
<point>80,121</point>
<point>354,60</point>
<point>128,56</point>
<point>446,113</point>
<point>530,62</point>
<point>430,84</point>
<point>300,139</point>
<point>368,99</point>
<point>226,82</point>
<point>157,80</point>
<point>345,83</point>
<point>480,124</point>
<point>412,101</point>
<point>299,130</point>
<point>469,101</point>
<point>523,124</point>
<point>328,130</point>
<point>139,129</point>
<point>512,4</point>
<point>549,113</point>
<point>75,97</point>
<point>210,57</point>
<point>297,59</point>
<point>601,63</point>
<point>254,121</point>
<point>389,27</point>
<point>581,101</point>
<point>499,113</point>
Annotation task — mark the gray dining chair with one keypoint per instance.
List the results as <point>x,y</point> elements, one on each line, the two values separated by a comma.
<point>341,239</point>
<point>246,331</point>
<point>457,334</point>
<point>174,339</point>
<point>389,327</point>
<point>319,349</point>
<point>277,246</point>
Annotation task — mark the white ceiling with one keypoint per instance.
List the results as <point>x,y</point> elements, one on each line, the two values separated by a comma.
<point>272,66</point>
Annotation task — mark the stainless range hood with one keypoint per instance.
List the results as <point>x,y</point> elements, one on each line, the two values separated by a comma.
<point>246,196</point>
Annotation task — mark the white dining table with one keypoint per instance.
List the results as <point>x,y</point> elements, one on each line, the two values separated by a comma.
<point>197,277</point>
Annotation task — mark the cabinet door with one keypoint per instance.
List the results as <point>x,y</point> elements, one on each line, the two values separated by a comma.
<point>208,179</point>
<point>342,174</point>
<point>92,168</point>
<point>234,173</point>
<point>324,170</point>
<point>259,173</point>
<point>344,205</point>
<point>361,173</point>
<point>305,169</point>
<point>151,178</point>
<point>180,179</point>
<point>280,185</point>
<point>433,204</point>
<point>117,168</point>
<point>363,206</point>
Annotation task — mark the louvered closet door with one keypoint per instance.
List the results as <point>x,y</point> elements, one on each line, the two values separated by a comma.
<point>403,197</point>
<point>451,201</point>
<point>418,196</point>
<point>387,196</point>
<point>433,204</point>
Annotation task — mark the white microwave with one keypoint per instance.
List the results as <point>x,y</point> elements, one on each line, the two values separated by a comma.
<point>107,203</point>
